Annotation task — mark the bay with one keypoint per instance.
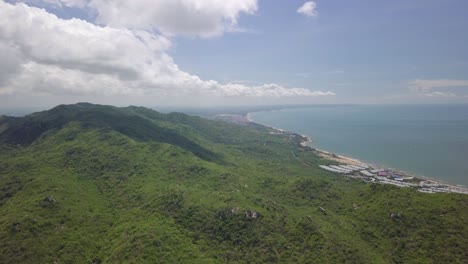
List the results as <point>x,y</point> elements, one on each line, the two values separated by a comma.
<point>424,140</point>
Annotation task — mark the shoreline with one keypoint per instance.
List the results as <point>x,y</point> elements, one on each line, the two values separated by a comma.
<point>353,161</point>
<point>309,141</point>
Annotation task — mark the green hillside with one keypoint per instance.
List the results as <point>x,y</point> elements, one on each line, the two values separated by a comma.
<point>89,183</point>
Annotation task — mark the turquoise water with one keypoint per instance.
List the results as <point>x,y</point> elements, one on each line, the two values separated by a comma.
<point>430,141</point>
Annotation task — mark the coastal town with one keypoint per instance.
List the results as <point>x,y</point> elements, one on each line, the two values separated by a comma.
<point>355,169</point>
<point>370,174</point>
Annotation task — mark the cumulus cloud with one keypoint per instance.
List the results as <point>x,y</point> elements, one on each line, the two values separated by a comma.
<point>194,17</point>
<point>308,9</point>
<point>433,88</point>
<point>10,63</point>
<point>205,18</point>
<point>46,54</point>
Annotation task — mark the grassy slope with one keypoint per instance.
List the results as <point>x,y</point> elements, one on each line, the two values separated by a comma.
<point>132,185</point>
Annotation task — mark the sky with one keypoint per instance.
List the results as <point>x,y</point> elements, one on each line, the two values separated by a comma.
<point>233,52</point>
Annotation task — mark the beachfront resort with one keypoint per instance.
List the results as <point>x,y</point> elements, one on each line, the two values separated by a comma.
<point>387,176</point>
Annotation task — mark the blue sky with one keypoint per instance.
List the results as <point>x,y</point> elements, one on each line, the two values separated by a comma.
<point>261,52</point>
<point>356,48</point>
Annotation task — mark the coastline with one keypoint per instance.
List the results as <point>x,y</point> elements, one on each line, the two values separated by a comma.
<point>457,188</point>
<point>308,141</point>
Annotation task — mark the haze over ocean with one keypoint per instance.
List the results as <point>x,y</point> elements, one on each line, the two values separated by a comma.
<point>425,140</point>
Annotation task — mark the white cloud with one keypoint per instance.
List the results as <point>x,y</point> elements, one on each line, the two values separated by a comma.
<point>10,62</point>
<point>433,87</point>
<point>424,85</point>
<point>46,54</point>
<point>303,74</point>
<point>205,18</point>
<point>439,94</point>
<point>193,17</point>
<point>335,72</point>
<point>308,9</point>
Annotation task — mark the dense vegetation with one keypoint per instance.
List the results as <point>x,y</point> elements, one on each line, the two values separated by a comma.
<point>98,184</point>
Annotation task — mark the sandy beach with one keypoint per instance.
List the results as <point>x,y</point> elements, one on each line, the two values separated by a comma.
<point>338,158</point>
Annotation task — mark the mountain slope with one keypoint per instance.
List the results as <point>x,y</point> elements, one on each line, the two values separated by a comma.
<point>99,184</point>
<point>24,131</point>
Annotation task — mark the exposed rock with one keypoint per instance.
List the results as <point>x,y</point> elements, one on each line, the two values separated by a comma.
<point>235,210</point>
<point>50,199</point>
<point>395,216</point>
<point>251,214</point>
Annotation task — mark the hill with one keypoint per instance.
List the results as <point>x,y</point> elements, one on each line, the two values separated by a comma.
<point>90,183</point>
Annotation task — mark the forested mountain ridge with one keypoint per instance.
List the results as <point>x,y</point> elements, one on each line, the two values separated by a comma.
<point>90,183</point>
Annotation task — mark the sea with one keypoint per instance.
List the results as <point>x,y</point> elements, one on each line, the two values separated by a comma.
<point>422,140</point>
